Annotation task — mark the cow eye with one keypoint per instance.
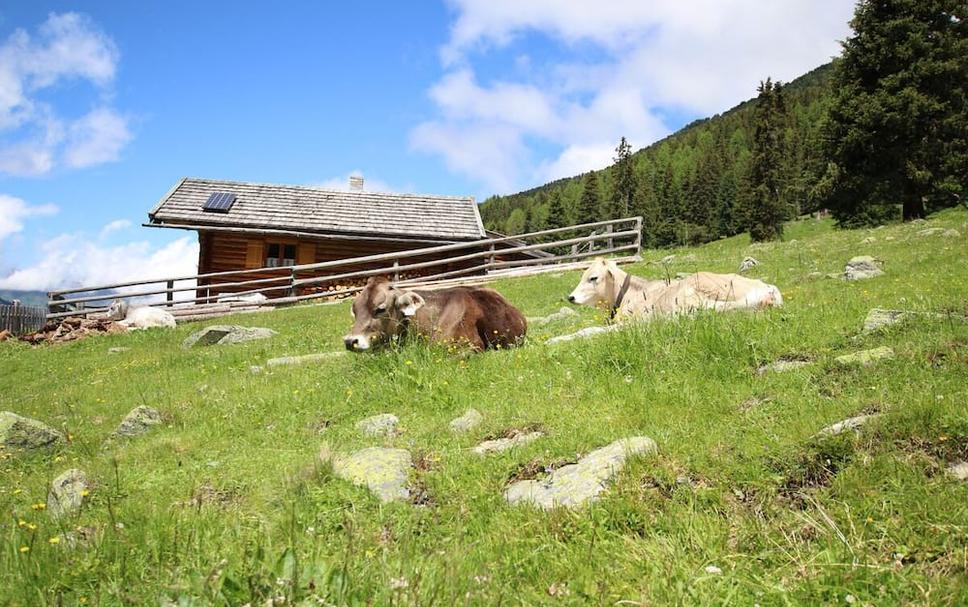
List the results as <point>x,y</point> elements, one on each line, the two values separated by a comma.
<point>593,279</point>
<point>380,310</point>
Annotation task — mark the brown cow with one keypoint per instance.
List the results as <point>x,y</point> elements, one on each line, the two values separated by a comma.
<point>480,318</point>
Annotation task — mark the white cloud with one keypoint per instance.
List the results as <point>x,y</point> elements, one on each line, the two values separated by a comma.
<point>77,260</point>
<point>115,226</point>
<point>13,212</point>
<point>34,138</point>
<point>616,68</point>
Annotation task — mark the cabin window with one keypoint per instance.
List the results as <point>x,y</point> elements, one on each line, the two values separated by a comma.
<point>278,255</point>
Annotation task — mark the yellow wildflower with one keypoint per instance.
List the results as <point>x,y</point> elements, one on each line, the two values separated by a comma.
<point>25,549</point>
<point>54,540</point>
<point>39,506</point>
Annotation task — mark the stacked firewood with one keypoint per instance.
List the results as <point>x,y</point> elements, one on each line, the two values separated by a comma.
<point>70,329</point>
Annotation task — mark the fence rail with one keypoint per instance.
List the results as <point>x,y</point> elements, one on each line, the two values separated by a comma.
<point>481,260</point>
<point>20,319</point>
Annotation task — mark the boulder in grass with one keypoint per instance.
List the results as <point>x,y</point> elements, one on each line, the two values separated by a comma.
<point>862,268</point>
<point>865,358</point>
<point>577,484</point>
<point>385,472</point>
<point>139,420</point>
<point>747,264</point>
<point>878,318</point>
<point>67,493</point>
<point>19,432</point>
<point>851,423</point>
<point>226,334</point>
<point>384,424</point>
<point>468,421</point>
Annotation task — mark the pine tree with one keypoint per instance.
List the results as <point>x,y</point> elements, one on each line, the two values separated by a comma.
<point>897,131</point>
<point>589,204</point>
<point>625,183</point>
<point>556,213</point>
<point>764,211</point>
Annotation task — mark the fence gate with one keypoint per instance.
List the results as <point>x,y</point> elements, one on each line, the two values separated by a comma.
<point>20,319</point>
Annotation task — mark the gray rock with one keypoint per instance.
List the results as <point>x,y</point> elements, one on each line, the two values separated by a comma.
<point>384,424</point>
<point>138,421</point>
<point>587,332</point>
<point>930,231</point>
<point>503,444</point>
<point>226,334</point>
<point>951,233</point>
<point>851,423</point>
<point>577,484</point>
<point>959,471</point>
<point>303,359</point>
<point>21,432</point>
<point>869,240</point>
<point>385,472</point>
<point>468,421</point>
<point>865,358</point>
<point>66,493</point>
<point>878,318</point>
<point>561,314</point>
<point>117,350</point>
<point>862,268</point>
<point>667,259</point>
<point>782,365</point>
<point>747,264</point>
<point>255,369</point>
<point>815,275</point>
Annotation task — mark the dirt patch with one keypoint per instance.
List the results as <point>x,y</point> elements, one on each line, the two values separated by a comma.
<point>938,452</point>
<point>426,461</point>
<point>815,467</point>
<point>318,426</point>
<point>420,494</point>
<point>536,468</point>
<point>208,495</point>
<point>953,351</point>
<point>516,432</point>
<point>754,402</point>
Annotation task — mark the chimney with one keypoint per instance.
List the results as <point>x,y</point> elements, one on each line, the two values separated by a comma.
<point>356,183</point>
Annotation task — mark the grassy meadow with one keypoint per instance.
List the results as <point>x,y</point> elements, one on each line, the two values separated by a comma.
<point>229,503</point>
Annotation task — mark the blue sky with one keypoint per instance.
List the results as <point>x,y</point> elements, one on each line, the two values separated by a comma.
<point>105,105</point>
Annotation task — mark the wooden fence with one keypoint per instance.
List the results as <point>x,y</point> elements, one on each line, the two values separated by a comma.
<point>475,261</point>
<point>19,319</point>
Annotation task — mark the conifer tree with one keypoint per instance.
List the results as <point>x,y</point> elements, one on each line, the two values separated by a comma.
<point>622,200</point>
<point>589,205</point>
<point>764,212</point>
<point>897,132</point>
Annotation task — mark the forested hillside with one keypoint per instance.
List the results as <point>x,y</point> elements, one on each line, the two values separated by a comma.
<point>690,187</point>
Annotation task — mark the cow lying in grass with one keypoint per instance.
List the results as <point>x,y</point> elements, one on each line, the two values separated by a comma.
<point>480,318</point>
<point>139,317</point>
<point>627,296</point>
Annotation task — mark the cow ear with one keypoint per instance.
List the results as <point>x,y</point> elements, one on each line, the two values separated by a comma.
<point>408,303</point>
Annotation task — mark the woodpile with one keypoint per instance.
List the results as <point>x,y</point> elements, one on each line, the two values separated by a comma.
<point>70,329</point>
<point>5,335</point>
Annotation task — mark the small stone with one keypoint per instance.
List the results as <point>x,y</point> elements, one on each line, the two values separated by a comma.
<point>117,350</point>
<point>782,365</point>
<point>25,433</point>
<point>67,493</point>
<point>587,332</point>
<point>138,421</point>
<point>959,471</point>
<point>866,357</point>
<point>303,359</point>
<point>469,420</point>
<point>815,275</point>
<point>951,233</point>
<point>561,314</point>
<point>878,318</point>
<point>667,259</point>
<point>869,240</point>
<point>576,484</point>
<point>713,570</point>
<point>255,369</point>
<point>930,231</point>
<point>385,472</point>
<point>851,423</point>
<point>862,268</point>
<point>226,334</point>
<point>503,444</point>
<point>747,264</point>
<point>384,424</point>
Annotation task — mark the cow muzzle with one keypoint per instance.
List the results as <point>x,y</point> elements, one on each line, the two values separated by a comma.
<point>356,343</point>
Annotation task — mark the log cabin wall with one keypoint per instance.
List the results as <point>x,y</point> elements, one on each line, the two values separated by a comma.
<point>226,251</point>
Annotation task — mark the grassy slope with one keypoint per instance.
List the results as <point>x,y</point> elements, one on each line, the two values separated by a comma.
<point>887,527</point>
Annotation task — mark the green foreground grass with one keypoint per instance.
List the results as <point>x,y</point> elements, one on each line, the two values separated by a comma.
<point>228,503</point>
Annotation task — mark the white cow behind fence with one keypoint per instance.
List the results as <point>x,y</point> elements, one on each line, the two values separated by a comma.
<point>139,317</point>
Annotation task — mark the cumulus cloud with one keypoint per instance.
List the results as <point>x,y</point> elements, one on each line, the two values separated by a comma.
<point>13,212</point>
<point>34,138</point>
<point>342,184</point>
<point>77,260</point>
<point>115,226</point>
<point>616,68</point>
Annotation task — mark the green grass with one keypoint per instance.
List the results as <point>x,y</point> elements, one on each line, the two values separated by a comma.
<point>789,519</point>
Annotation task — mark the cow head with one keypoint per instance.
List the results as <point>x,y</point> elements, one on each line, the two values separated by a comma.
<point>597,284</point>
<point>380,312</point>
<point>118,310</point>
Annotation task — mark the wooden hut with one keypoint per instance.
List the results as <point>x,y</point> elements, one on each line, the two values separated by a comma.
<point>244,225</point>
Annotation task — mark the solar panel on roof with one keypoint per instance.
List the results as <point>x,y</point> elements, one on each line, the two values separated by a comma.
<point>219,202</point>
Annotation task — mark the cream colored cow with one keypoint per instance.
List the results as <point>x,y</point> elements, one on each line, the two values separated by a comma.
<point>606,285</point>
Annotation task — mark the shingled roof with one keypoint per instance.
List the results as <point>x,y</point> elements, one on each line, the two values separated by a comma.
<point>318,210</point>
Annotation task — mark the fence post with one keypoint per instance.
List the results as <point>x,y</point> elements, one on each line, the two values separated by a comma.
<point>292,282</point>
<point>490,259</point>
<point>396,271</point>
<point>170,296</point>
<point>17,321</point>
<point>638,235</point>
<point>611,242</point>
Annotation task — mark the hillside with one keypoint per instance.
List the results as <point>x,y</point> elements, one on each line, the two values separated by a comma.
<point>233,499</point>
<point>691,182</point>
<point>27,298</point>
